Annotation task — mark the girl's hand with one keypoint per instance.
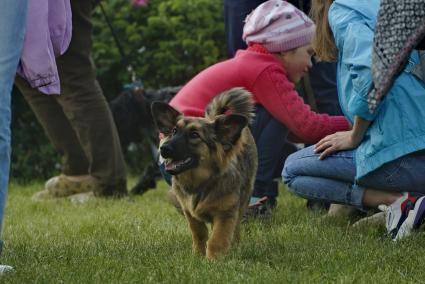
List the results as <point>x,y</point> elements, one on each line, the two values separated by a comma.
<point>336,142</point>
<point>345,140</point>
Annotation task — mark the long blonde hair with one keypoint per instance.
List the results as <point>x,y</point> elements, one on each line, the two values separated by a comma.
<point>324,42</point>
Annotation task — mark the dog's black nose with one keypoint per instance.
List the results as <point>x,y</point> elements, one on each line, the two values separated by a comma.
<point>166,151</point>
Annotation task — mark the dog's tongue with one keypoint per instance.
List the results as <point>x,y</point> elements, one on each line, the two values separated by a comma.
<point>173,165</point>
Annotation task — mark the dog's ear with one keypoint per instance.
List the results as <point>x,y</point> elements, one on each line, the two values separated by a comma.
<point>164,116</point>
<point>228,129</point>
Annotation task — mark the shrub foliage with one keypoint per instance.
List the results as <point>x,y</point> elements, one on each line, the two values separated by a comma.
<point>166,42</point>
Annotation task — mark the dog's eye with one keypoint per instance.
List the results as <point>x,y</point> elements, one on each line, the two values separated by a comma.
<point>174,131</point>
<point>194,135</point>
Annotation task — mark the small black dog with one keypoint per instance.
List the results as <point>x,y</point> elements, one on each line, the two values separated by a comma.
<point>133,117</point>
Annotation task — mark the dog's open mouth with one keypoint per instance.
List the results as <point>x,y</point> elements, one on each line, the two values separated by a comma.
<point>175,167</point>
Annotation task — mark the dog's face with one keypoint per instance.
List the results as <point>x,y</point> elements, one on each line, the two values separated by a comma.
<point>195,143</point>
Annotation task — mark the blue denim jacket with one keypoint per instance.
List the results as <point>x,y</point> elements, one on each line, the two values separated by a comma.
<point>398,125</point>
<point>48,34</point>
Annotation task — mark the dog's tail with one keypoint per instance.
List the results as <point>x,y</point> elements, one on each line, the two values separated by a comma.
<point>235,101</point>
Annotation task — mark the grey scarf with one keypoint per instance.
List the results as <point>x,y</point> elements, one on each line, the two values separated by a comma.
<point>400,26</point>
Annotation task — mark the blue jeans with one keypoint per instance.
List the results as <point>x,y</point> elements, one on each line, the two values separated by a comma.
<point>333,179</point>
<point>12,30</point>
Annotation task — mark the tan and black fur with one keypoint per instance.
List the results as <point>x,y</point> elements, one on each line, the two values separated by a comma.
<point>213,161</point>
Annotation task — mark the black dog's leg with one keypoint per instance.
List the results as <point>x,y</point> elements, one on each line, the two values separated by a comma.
<point>148,179</point>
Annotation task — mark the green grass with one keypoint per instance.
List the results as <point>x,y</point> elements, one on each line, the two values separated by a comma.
<point>145,240</point>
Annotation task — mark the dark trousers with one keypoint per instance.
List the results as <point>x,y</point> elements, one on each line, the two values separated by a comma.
<point>235,12</point>
<point>323,82</point>
<point>78,122</point>
<point>270,137</point>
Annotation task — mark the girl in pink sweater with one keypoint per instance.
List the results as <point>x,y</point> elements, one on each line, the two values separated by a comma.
<point>279,53</point>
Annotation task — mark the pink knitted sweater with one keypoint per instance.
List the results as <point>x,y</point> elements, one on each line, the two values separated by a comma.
<point>258,71</point>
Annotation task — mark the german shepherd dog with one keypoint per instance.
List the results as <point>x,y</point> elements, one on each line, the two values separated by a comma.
<point>213,161</point>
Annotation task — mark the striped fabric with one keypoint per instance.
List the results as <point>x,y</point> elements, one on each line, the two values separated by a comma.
<point>278,26</point>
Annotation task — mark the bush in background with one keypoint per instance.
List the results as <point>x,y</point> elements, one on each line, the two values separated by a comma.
<point>167,43</point>
<point>33,157</point>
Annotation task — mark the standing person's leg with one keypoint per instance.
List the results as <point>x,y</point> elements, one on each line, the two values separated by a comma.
<point>78,122</point>
<point>57,128</point>
<point>323,83</point>
<point>12,31</point>
<point>86,107</point>
<point>235,12</point>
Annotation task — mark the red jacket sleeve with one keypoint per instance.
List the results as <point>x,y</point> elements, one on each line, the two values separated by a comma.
<point>277,94</point>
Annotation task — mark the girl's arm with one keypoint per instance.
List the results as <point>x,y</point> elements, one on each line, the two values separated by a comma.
<point>277,94</point>
<point>345,140</point>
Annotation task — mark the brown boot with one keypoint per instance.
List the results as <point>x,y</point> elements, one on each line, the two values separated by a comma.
<point>63,186</point>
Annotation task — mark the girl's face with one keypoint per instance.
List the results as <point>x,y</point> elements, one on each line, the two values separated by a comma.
<point>297,61</point>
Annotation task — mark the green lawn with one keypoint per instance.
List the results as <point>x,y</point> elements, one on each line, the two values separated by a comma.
<point>143,239</point>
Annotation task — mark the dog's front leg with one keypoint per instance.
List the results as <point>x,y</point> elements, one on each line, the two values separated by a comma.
<point>199,234</point>
<point>221,236</point>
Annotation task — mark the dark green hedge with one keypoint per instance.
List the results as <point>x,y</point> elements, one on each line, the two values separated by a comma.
<point>167,42</point>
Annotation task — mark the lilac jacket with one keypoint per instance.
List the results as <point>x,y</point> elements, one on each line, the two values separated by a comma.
<point>48,34</point>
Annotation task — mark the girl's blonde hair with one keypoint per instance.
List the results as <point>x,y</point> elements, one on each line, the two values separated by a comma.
<point>324,42</point>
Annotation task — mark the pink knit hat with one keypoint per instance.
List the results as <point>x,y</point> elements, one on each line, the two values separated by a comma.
<point>278,26</point>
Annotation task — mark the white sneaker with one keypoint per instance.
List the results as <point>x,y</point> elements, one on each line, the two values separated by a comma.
<point>396,213</point>
<point>413,221</point>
